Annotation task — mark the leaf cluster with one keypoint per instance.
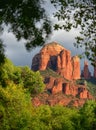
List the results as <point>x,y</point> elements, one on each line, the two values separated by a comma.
<point>26,19</point>
<point>30,80</point>
<point>82,15</point>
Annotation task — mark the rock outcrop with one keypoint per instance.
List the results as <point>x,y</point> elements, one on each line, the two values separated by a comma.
<point>60,72</point>
<point>62,92</point>
<point>57,58</point>
<point>56,85</point>
<point>86,73</point>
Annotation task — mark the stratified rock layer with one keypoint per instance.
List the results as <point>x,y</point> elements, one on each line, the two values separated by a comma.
<point>57,58</point>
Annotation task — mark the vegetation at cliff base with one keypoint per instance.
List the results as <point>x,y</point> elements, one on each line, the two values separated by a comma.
<point>17,85</point>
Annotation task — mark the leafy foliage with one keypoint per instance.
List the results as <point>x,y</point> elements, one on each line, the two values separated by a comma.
<point>32,80</point>
<point>82,14</point>
<point>28,19</point>
<point>88,116</point>
<point>21,75</point>
<point>15,108</point>
<point>23,16</point>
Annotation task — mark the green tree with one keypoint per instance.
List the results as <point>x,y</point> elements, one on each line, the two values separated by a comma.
<point>23,17</point>
<point>15,108</point>
<point>9,72</point>
<point>65,118</point>
<point>43,118</point>
<point>88,116</point>
<point>32,80</point>
<point>21,76</point>
<point>27,19</point>
<point>56,118</point>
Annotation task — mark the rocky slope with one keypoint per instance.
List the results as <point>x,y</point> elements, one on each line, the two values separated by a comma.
<point>61,91</point>
<point>60,71</point>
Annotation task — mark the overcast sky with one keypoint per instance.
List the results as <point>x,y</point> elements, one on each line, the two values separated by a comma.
<point>20,56</point>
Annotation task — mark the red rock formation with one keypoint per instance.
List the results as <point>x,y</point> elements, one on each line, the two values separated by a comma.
<point>48,55</point>
<point>78,102</point>
<point>76,67</point>
<point>62,92</point>
<point>57,87</point>
<point>70,89</point>
<point>84,93</point>
<point>44,59</point>
<point>86,73</point>
<point>64,65</point>
<point>57,58</point>
<point>70,96</point>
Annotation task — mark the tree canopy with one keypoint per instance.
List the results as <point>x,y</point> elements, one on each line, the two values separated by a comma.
<point>23,17</point>
<point>28,19</point>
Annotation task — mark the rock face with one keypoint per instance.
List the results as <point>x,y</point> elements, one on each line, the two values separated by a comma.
<point>86,73</point>
<point>56,85</point>
<point>57,58</point>
<point>61,87</point>
<point>63,92</point>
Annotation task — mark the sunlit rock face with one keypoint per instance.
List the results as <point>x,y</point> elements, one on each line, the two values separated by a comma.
<point>86,73</point>
<point>47,57</point>
<point>63,92</point>
<point>57,58</point>
<point>56,85</point>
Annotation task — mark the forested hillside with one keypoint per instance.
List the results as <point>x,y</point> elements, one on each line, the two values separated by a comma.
<point>17,87</point>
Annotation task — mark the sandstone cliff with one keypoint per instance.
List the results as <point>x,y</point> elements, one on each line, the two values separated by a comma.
<point>60,72</point>
<point>56,85</point>
<point>62,92</point>
<point>57,58</point>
